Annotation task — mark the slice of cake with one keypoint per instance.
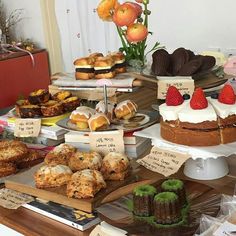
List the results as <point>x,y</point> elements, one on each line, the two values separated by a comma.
<point>225,107</point>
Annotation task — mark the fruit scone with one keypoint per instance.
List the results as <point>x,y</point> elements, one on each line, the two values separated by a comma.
<point>225,107</point>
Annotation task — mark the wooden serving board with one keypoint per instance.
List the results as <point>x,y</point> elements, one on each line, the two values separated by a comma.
<point>24,182</point>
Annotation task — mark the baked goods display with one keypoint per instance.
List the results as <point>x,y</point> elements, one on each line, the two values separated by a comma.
<point>98,66</point>
<point>85,184</point>
<point>85,160</point>
<point>160,207</point>
<point>125,110</point>
<point>50,176</point>
<point>41,103</point>
<point>208,122</point>
<point>60,155</point>
<point>15,155</point>
<point>181,62</point>
<point>115,166</point>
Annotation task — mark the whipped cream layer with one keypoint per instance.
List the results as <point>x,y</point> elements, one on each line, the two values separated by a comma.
<point>169,113</point>
<point>223,110</point>
<point>187,114</point>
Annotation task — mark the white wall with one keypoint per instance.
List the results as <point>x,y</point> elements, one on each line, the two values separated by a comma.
<point>31,26</point>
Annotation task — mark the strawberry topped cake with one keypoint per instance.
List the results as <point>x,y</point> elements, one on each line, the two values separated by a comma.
<point>198,121</point>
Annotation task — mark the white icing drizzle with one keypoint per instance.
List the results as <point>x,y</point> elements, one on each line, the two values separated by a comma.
<point>121,105</point>
<point>95,116</point>
<point>58,169</point>
<point>83,110</point>
<point>100,107</point>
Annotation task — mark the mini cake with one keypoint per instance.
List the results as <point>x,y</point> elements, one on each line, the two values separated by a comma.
<point>85,184</point>
<point>115,166</point>
<point>176,186</point>
<point>70,103</point>
<point>125,110</point>
<point>52,108</point>
<point>52,176</point>
<point>167,209</point>
<point>100,107</point>
<point>143,197</point>
<point>85,160</point>
<point>98,121</point>
<point>225,108</point>
<point>104,68</point>
<point>60,155</point>
<point>39,96</point>
<point>120,63</point>
<point>62,95</point>
<point>81,115</point>
<point>29,111</point>
<point>84,68</point>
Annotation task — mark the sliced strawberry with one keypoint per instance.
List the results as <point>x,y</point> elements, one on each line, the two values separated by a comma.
<point>173,97</point>
<point>227,95</point>
<point>198,100</point>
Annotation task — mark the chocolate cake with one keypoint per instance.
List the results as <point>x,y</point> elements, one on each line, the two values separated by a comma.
<point>143,200</point>
<point>167,208</point>
<point>176,186</point>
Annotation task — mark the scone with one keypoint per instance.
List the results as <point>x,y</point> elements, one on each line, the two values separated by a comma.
<point>34,157</point>
<point>125,110</point>
<point>52,108</point>
<point>60,155</point>
<point>7,169</point>
<point>29,111</point>
<point>85,184</point>
<point>70,103</point>
<point>39,96</point>
<point>84,68</point>
<point>62,95</point>
<point>98,121</point>
<point>12,150</point>
<point>81,115</point>
<point>85,160</point>
<point>115,166</point>
<point>104,68</point>
<point>20,103</point>
<point>52,176</point>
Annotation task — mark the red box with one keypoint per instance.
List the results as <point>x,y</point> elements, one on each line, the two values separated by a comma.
<point>18,76</point>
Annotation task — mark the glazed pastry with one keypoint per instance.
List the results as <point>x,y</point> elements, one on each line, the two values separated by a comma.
<point>85,160</point>
<point>62,95</point>
<point>39,96</point>
<point>81,115</point>
<point>7,168</point>
<point>60,155</point>
<point>119,59</point>
<point>104,68</point>
<point>96,55</point>
<point>34,157</point>
<point>29,111</point>
<point>84,68</point>
<point>85,184</point>
<point>52,176</point>
<point>20,103</point>
<point>12,150</point>
<point>115,166</point>
<point>70,103</point>
<point>100,107</point>
<point>98,121</point>
<point>143,197</point>
<point>52,108</point>
<point>125,110</point>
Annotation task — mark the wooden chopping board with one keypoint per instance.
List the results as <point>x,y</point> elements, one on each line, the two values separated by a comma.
<point>24,182</point>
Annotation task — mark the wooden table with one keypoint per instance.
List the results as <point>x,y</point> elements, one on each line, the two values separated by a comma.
<point>32,224</point>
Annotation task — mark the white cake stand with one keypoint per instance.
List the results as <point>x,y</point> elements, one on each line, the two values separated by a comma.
<point>206,163</point>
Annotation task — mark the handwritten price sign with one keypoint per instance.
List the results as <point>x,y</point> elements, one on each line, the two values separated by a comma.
<point>27,127</point>
<point>105,142</point>
<point>163,161</point>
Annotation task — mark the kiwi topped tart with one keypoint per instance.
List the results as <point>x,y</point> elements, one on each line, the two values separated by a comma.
<point>176,186</point>
<point>143,200</point>
<point>167,208</point>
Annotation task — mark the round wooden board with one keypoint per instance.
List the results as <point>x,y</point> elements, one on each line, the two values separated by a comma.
<point>202,198</point>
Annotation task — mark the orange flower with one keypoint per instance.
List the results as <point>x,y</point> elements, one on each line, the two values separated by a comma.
<point>106,8</point>
<point>136,33</point>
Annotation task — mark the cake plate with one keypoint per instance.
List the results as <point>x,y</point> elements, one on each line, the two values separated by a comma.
<point>206,163</point>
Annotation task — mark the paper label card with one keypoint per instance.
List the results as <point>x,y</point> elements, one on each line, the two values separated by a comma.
<point>225,229</point>
<point>105,142</point>
<point>27,127</point>
<point>163,161</point>
<point>184,84</point>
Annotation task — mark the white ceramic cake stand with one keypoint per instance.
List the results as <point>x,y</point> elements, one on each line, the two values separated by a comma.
<point>206,163</point>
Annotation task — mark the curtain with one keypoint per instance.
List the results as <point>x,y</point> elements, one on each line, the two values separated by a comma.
<point>82,32</point>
